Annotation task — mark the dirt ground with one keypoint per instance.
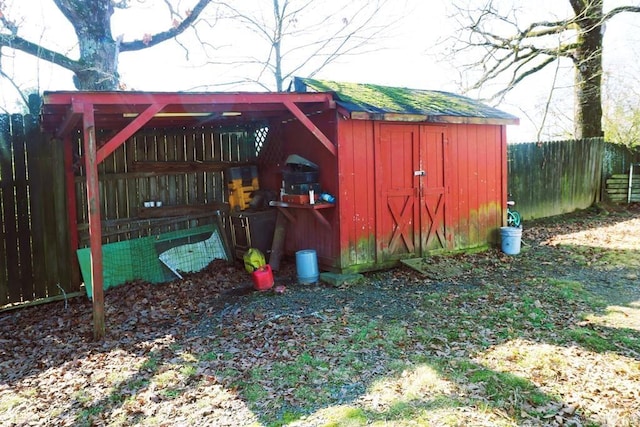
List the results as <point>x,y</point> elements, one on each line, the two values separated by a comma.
<point>53,373</point>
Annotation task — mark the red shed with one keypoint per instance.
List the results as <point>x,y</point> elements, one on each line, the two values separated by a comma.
<point>415,172</point>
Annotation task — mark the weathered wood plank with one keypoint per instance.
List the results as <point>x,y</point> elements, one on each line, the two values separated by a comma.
<point>622,191</point>
<point>201,190</point>
<point>191,188</point>
<point>9,212</point>
<point>39,174</point>
<point>5,135</point>
<point>624,176</point>
<point>22,206</point>
<point>182,210</point>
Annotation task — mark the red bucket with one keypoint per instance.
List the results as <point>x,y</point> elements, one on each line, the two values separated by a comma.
<point>262,278</point>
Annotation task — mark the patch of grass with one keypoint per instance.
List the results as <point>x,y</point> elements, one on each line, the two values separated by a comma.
<point>254,393</point>
<point>568,290</point>
<point>627,338</point>
<point>188,371</point>
<point>189,357</point>
<point>500,390</point>
<point>166,378</point>
<point>116,377</point>
<point>151,363</point>
<point>172,393</point>
<point>11,401</point>
<point>286,418</point>
<point>85,417</point>
<point>591,340</point>
<point>82,397</point>
<point>532,310</point>
<point>208,356</point>
<point>116,398</point>
<point>347,417</point>
<point>137,383</point>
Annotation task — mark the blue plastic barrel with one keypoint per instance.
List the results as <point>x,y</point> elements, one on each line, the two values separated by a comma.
<point>307,266</point>
<point>510,239</point>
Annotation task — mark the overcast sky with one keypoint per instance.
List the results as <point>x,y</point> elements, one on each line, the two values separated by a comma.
<point>410,58</point>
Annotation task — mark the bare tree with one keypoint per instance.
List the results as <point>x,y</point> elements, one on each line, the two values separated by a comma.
<point>96,67</point>
<point>304,36</point>
<point>514,48</point>
<point>622,113</point>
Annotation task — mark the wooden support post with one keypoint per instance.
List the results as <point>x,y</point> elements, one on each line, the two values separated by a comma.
<point>72,216</point>
<point>277,246</point>
<point>95,229</point>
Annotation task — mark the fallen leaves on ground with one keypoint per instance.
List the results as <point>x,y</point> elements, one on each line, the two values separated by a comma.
<point>399,348</point>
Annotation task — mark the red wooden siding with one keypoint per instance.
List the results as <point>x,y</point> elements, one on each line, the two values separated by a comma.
<point>458,203</point>
<point>356,198</point>
<point>476,183</point>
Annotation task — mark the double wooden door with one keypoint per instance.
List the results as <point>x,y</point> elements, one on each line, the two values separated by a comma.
<point>412,192</point>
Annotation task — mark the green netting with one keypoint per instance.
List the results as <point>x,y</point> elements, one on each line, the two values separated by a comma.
<point>185,250</point>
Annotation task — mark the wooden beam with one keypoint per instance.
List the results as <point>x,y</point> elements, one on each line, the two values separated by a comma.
<point>72,216</point>
<point>183,210</point>
<point>311,126</point>
<point>71,119</point>
<point>95,229</point>
<point>128,131</point>
<point>178,167</point>
<point>185,98</point>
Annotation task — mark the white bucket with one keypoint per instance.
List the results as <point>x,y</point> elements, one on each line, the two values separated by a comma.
<point>510,240</point>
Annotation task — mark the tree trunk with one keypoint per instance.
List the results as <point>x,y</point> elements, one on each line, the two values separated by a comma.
<point>103,73</point>
<point>588,62</point>
<point>98,50</point>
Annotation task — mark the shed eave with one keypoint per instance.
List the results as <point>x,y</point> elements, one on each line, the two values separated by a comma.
<point>474,120</point>
<point>399,117</point>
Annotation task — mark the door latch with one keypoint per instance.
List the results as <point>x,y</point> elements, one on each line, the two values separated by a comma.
<point>419,173</point>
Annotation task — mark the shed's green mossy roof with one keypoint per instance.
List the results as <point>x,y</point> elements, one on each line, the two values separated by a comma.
<point>380,100</point>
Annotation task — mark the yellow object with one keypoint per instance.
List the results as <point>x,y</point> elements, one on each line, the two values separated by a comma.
<point>242,181</point>
<point>253,260</point>
<point>240,193</point>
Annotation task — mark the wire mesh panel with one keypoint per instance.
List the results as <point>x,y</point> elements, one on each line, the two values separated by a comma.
<point>156,259</point>
<point>189,254</point>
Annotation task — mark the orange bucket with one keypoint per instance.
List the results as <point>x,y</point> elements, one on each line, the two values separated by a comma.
<point>262,278</point>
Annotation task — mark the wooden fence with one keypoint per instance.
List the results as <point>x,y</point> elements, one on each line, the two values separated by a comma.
<point>551,178</point>
<point>556,177</point>
<point>34,252</point>
<point>184,169</point>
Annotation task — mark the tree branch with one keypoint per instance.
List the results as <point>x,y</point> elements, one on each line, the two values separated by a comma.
<point>18,43</point>
<point>169,34</point>
<point>617,10</point>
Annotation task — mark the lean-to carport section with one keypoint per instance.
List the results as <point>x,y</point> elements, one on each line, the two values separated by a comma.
<point>124,113</point>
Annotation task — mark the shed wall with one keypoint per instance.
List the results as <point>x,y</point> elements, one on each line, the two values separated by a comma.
<point>477,183</point>
<point>476,180</point>
<point>475,177</point>
<point>307,232</point>
<point>357,195</point>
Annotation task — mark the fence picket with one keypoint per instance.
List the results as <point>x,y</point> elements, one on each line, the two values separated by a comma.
<point>23,226</point>
<point>9,212</point>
